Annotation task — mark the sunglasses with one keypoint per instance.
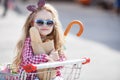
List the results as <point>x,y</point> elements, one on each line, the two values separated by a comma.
<point>42,22</point>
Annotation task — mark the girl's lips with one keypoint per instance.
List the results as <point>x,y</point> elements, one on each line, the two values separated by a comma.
<point>44,29</point>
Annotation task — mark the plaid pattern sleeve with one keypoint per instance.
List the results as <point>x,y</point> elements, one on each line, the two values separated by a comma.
<point>28,55</point>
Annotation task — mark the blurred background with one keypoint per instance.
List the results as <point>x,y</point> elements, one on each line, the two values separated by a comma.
<point>100,40</point>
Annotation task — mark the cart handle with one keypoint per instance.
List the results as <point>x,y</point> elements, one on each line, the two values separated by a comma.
<point>87,60</point>
<point>33,67</point>
<point>71,24</point>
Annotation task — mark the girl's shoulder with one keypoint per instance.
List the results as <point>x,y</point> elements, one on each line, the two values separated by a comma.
<point>27,40</point>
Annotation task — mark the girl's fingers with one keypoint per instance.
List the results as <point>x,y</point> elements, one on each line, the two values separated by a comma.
<point>54,56</point>
<point>49,59</point>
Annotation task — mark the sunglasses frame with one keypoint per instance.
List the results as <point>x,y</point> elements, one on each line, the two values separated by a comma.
<point>45,22</point>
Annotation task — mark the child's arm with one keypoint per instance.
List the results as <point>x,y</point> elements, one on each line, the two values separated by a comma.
<point>28,55</point>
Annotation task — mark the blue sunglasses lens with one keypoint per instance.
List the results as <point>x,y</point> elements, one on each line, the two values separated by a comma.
<point>50,22</point>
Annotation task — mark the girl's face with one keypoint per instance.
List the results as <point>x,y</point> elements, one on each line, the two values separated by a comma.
<point>43,21</point>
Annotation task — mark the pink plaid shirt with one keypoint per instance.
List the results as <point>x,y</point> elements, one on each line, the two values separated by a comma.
<point>28,56</point>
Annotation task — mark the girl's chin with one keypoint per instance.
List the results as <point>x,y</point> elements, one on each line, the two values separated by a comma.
<point>44,34</point>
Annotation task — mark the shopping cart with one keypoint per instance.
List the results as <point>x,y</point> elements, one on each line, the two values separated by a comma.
<point>70,70</point>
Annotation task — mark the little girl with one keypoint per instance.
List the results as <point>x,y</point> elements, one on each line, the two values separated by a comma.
<point>45,19</point>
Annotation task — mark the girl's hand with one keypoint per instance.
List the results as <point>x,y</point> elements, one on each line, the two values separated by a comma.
<point>54,55</point>
<point>49,59</point>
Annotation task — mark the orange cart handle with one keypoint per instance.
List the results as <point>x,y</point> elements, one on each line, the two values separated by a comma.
<point>71,24</point>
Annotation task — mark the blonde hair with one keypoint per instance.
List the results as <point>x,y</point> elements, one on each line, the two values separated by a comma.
<point>56,33</point>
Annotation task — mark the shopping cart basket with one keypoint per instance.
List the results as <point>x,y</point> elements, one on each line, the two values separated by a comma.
<point>70,70</point>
